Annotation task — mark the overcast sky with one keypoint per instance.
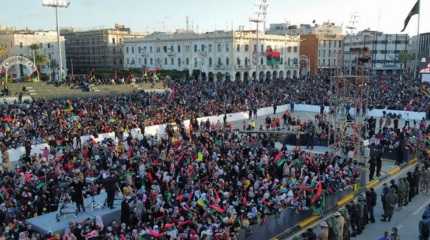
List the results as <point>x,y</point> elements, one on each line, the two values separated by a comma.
<point>208,15</point>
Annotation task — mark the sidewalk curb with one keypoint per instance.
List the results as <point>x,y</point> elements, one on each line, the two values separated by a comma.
<point>308,221</point>
<point>345,200</point>
<point>372,184</point>
<point>394,171</point>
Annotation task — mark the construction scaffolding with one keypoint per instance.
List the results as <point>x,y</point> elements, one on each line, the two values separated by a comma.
<point>348,104</point>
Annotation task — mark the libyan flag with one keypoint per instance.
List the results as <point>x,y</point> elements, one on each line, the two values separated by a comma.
<point>415,10</point>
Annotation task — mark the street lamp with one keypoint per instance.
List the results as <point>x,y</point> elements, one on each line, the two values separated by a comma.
<point>57,4</point>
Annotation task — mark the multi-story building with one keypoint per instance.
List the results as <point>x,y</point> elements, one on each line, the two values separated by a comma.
<point>321,46</point>
<point>289,29</point>
<point>384,50</point>
<point>330,48</point>
<point>99,49</point>
<point>424,53</point>
<point>30,44</point>
<point>237,55</point>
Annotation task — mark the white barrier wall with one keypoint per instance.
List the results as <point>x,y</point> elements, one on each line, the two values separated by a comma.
<point>160,130</point>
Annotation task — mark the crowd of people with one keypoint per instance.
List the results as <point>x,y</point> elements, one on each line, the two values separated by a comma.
<point>208,183</point>
<point>351,220</point>
<point>52,120</point>
<point>205,182</point>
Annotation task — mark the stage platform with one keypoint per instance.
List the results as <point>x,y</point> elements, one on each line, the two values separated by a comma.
<point>47,223</point>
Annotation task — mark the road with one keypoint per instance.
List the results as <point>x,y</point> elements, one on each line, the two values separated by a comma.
<point>406,219</point>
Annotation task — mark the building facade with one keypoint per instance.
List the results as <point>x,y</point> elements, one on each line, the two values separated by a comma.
<point>384,49</point>
<point>236,55</point>
<point>29,44</point>
<point>99,49</point>
<point>321,46</point>
<point>330,48</point>
<point>424,53</point>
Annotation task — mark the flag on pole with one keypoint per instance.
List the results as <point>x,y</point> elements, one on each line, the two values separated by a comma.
<point>414,10</point>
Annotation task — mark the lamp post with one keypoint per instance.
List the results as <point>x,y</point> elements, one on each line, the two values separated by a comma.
<point>57,4</point>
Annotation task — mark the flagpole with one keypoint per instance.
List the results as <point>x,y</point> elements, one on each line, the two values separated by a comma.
<point>417,58</point>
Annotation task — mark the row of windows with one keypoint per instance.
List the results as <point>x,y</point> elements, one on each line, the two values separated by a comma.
<point>329,62</point>
<point>202,47</point>
<point>329,53</point>
<point>48,45</point>
<point>331,43</point>
<point>385,42</point>
<point>219,62</point>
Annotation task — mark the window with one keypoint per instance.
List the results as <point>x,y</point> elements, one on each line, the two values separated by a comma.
<point>187,61</point>
<point>219,47</point>
<point>165,49</point>
<point>158,49</point>
<point>238,61</point>
<point>203,48</point>
<point>210,62</point>
<point>255,47</point>
<point>195,48</point>
<point>289,61</point>
<point>113,41</point>
<point>329,46</point>
<point>20,45</point>
<point>238,47</point>
<point>126,50</point>
<point>179,48</point>
<point>227,61</point>
<point>219,62</point>
<point>262,48</point>
<point>295,49</point>
<point>246,61</point>
<point>210,47</point>
<point>179,62</point>
<point>246,48</point>
<point>140,61</point>
<point>150,50</point>
<point>195,62</point>
<point>261,61</point>
<point>227,48</point>
<point>172,61</point>
<point>172,49</point>
<point>132,50</point>
<point>165,61</point>
<point>150,61</point>
<point>145,61</point>
<point>139,49</point>
<point>128,61</point>
<point>49,45</point>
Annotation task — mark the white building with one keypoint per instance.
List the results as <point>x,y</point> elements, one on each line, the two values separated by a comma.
<point>17,43</point>
<point>216,55</point>
<point>384,50</point>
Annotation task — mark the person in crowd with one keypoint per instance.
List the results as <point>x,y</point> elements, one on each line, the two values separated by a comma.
<point>371,199</point>
<point>424,227</point>
<point>77,193</point>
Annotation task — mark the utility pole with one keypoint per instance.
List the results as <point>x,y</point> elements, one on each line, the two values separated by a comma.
<point>57,4</point>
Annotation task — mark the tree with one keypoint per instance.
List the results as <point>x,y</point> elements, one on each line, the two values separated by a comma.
<point>405,57</point>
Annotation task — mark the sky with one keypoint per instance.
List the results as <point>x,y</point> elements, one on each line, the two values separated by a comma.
<point>208,15</point>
